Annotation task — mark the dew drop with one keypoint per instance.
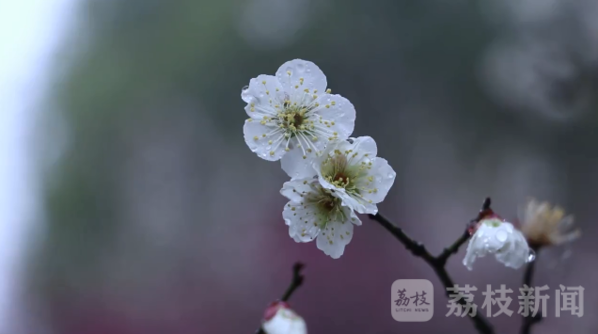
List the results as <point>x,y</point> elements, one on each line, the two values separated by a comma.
<point>531,256</point>
<point>300,67</point>
<point>501,236</point>
<point>246,87</point>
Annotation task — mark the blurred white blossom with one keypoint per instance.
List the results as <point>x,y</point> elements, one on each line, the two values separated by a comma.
<point>294,113</point>
<point>495,236</point>
<point>544,225</point>
<point>281,319</point>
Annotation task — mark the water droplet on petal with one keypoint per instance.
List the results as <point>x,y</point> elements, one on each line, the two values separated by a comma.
<point>531,256</point>
<point>246,87</point>
<point>501,236</point>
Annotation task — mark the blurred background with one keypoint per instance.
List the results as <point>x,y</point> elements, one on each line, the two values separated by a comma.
<point>131,204</point>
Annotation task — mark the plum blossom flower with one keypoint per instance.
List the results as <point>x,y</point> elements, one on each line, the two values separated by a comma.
<point>313,212</point>
<point>498,237</point>
<point>353,173</point>
<point>543,225</point>
<point>293,115</point>
<point>279,318</point>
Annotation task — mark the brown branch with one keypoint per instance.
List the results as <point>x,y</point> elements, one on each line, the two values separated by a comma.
<point>529,321</point>
<point>296,282</point>
<point>438,262</point>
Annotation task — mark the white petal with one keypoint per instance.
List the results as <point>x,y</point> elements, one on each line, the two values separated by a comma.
<point>259,92</point>
<point>354,219</point>
<point>507,243</point>
<point>383,177</point>
<point>296,190</point>
<point>313,77</point>
<point>295,166</point>
<point>338,110</point>
<point>263,142</point>
<point>301,220</point>
<point>333,239</point>
<point>285,321</point>
<point>517,253</point>
<point>365,144</point>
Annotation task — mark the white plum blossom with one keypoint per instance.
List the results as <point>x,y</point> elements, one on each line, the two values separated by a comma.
<point>353,173</point>
<point>293,116</point>
<point>544,225</point>
<point>281,319</point>
<point>313,212</point>
<point>495,236</point>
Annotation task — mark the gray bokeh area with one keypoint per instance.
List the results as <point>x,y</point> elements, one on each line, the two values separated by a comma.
<point>157,218</point>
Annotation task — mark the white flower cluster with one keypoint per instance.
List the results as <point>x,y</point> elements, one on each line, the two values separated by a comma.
<point>294,118</point>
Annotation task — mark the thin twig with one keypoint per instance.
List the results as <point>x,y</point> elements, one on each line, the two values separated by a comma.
<point>438,262</point>
<point>296,282</point>
<point>529,321</point>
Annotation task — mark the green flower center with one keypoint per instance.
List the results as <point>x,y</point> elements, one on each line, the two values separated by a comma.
<point>329,207</point>
<point>340,172</point>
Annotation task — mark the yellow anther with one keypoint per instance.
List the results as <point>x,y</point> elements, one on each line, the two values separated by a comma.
<point>327,106</point>
<point>264,82</point>
<point>328,91</point>
<point>336,134</point>
<point>296,86</point>
<point>271,153</point>
<point>289,72</point>
<point>268,93</point>
<point>309,150</point>
<point>331,123</point>
<point>332,102</point>
<point>264,135</point>
<point>305,182</point>
<point>314,138</point>
<point>306,90</point>
<point>255,138</point>
<point>286,149</point>
<point>269,142</point>
<point>304,157</point>
<point>315,91</point>
<point>252,109</point>
<point>249,120</point>
<point>293,208</point>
